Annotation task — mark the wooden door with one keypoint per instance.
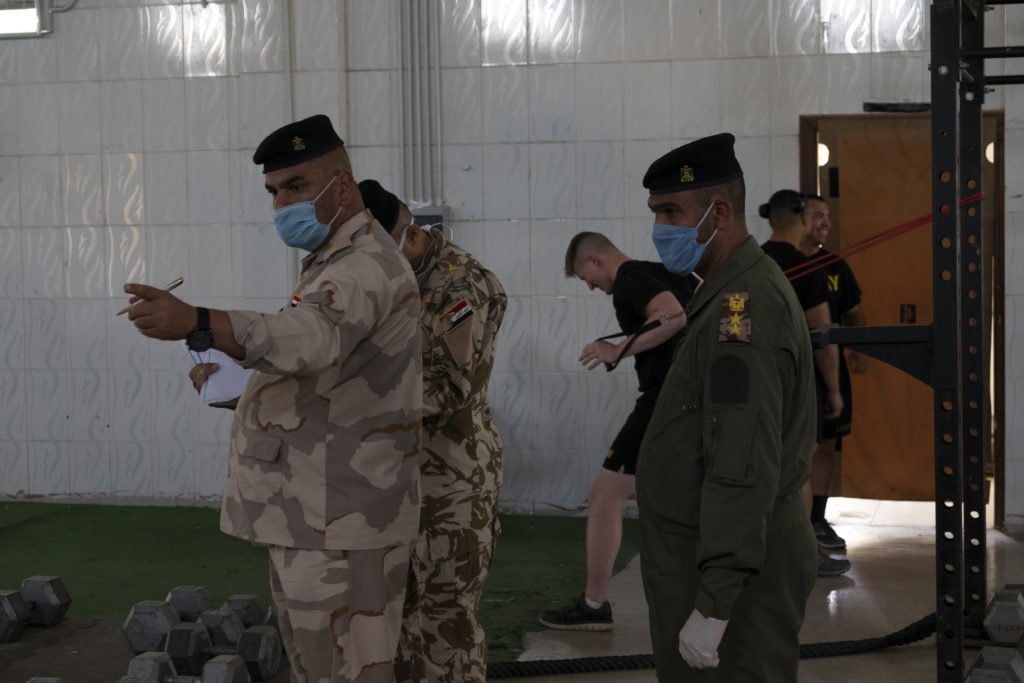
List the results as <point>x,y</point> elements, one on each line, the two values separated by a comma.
<point>885,180</point>
<point>879,176</point>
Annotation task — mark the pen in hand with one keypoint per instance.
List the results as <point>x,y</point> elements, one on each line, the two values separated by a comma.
<point>171,286</point>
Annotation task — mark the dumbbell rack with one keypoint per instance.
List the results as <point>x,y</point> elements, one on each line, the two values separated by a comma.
<point>950,354</point>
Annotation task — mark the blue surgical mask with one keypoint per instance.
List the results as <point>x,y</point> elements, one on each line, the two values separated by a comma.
<point>677,245</point>
<point>297,225</point>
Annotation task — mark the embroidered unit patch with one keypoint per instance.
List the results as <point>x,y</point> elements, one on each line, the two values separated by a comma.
<point>735,323</point>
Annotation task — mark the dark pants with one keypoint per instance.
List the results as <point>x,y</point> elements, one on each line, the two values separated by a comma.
<point>760,642</point>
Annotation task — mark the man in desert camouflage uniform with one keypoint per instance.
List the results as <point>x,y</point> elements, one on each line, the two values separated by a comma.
<point>462,307</point>
<point>326,436</point>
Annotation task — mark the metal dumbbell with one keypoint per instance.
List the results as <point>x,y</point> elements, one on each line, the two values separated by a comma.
<point>997,664</point>
<point>14,616</point>
<point>41,601</point>
<point>47,597</point>
<point>260,648</point>
<point>249,608</point>
<point>190,645</point>
<point>157,667</point>
<point>148,624</point>
<point>189,601</point>
<point>149,621</point>
<point>1004,617</point>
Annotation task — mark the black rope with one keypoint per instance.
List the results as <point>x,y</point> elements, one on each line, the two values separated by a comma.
<point>547,667</point>
<point>919,630</point>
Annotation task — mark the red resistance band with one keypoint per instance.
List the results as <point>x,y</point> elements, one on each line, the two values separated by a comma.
<point>823,260</point>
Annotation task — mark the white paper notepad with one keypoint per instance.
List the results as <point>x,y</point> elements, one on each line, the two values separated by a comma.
<point>227,383</point>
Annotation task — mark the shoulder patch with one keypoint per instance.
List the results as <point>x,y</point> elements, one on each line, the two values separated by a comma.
<point>456,314</point>
<point>735,324</point>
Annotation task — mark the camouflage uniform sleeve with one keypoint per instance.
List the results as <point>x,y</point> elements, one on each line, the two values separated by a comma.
<point>337,312</point>
<point>462,335</point>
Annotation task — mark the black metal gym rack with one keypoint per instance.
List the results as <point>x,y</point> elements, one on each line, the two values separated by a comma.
<point>950,354</point>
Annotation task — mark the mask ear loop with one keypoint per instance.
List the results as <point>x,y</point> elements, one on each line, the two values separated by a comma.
<point>337,213</point>
<point>340,208</point>
<point>423,259</point>
<point>331,182</point>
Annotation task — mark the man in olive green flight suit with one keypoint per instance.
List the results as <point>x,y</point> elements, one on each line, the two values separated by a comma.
<point>727,552</point>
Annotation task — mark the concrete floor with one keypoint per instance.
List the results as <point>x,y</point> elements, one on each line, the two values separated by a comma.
<point>891,546</point>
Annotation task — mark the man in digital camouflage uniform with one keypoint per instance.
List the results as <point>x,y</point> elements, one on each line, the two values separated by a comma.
<point>462,307</point>
<point>728,556</point>
<point>326,436</point>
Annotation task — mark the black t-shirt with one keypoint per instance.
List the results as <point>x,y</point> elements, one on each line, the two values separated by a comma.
<point>636,283</point>
<point>843,290</point>
<point>812,288</point>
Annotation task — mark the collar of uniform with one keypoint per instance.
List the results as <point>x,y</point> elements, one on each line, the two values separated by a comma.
<point>430,256</point>
<point>341,238</point>
<point>743,258</point>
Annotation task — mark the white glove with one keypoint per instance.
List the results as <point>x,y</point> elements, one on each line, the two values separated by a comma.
<point>699,639</point>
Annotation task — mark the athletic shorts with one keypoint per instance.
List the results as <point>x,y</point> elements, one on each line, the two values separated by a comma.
<point>622,456</point>
<point>840,426</point>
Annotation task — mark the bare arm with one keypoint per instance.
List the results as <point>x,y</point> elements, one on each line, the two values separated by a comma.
<point>855,318</point>
<point>665,307</point>
<point>827,360</point>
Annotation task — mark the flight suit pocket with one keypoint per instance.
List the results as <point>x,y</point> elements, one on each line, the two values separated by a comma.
<point>729,433</point>
<point>260,446</point>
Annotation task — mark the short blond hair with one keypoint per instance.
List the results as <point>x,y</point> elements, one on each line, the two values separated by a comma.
<point>582,245</point>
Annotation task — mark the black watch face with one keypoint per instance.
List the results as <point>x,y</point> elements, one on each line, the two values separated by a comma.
<point>199,340</point>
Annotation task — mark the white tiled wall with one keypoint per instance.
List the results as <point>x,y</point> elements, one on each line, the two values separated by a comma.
<point>125,144</point>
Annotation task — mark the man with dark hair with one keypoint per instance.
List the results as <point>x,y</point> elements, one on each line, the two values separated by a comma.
<point>787,215</point>
<point>727,551</point>
<point>643,294</point>
<point>326,435</point>
<point>843,297</point>
<point>462,307</point>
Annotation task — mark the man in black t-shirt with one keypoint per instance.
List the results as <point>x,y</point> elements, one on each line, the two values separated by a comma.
<point>790,230</point>
<point>844,306</point>
<point>643,292</point>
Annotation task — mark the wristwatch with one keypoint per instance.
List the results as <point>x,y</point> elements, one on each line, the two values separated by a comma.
<point>201,338</point>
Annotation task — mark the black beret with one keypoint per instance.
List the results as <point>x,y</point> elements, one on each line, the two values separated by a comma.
<point>789,201</point>
<point>384,206</point>
<point>297,142</point>
<point>701,163</point>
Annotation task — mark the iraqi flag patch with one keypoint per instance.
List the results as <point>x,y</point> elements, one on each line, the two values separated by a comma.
<point>458,313</point>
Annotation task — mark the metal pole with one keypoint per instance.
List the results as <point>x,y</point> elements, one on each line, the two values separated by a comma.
<point>973,349</point>
<point>1004,52</point>
<point>945,70</point>
<point>1004,80</point>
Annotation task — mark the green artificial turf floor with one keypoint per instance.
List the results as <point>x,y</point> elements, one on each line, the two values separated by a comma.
<point>110,557</point>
